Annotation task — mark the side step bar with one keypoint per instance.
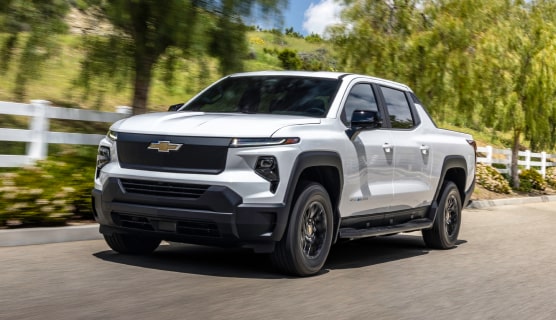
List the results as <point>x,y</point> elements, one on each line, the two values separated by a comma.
<point>413,225</point>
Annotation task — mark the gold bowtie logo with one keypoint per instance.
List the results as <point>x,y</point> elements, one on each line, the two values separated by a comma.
<point>164,146</point>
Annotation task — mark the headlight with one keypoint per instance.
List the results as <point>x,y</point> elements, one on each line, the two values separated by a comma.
<point>267,167</point>
<point>261,142</point>
<point>103,158</point>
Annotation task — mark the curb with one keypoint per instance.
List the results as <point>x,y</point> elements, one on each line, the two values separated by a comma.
<point>30,236</point>
<point>33,236</point>
<point>481,204</point>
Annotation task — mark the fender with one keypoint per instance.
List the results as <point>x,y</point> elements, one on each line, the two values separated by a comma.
<point>450,162</point>
<point>307,160</point>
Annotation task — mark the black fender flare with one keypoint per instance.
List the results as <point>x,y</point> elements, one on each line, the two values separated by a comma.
<point>307,160</point>
<point>450,162</point>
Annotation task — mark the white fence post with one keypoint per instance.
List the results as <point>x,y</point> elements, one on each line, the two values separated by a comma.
<point>37,149</point>
<point>543,164</point>
<point>527,159</point>
<point>489,155</point>
<point>124,109</point>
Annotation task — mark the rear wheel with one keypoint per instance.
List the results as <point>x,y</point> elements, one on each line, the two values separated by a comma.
<point>445,230</point>
<point>129,244</point>
<point>306,243</point>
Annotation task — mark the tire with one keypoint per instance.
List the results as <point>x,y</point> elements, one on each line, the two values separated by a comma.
<point>306,243</point>
<point>128,244</point>
<point>445,230</point>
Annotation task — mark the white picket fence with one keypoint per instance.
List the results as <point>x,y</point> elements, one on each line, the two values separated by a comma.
<point>38,135</point>
<point>527,159</point>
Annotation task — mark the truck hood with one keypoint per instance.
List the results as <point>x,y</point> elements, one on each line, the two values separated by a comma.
<point>209,124</point>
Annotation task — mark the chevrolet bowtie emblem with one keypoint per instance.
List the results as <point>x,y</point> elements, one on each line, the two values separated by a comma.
<point>164,146</point>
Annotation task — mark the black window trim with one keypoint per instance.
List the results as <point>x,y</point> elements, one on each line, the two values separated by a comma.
<point>379,103</point>
<point>382,103</point>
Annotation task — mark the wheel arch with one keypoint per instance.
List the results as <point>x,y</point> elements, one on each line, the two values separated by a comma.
<point>324,167</point>
<point>454,169</point>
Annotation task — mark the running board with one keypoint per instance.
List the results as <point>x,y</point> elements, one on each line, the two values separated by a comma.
<point>413,225</point>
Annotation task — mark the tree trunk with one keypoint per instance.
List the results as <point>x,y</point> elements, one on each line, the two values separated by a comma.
<point>142,83</point>
<point>515,158</point>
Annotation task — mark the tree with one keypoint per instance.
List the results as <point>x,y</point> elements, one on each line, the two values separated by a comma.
<point>474,63</point>
<point>146,30</point>
<point>33,24</point>
<point>520,73</point>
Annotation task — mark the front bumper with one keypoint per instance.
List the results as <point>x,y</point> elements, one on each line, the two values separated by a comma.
<point>217,216</point>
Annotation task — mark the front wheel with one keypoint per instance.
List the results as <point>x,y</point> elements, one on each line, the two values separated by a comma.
<point>306,243</point>
<point>445,230</point>
<point>128,244</point>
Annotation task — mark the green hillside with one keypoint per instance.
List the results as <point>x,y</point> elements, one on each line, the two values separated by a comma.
<point>56,81</point>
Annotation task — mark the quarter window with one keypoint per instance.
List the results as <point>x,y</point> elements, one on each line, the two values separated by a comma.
<point>398,108</point>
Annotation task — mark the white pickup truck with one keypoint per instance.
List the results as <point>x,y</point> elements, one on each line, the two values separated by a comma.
<point>285,163</point>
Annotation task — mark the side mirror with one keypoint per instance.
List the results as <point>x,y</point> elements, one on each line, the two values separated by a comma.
<point>365,119</point>
<point>361,120</point>
<point>175,107</point>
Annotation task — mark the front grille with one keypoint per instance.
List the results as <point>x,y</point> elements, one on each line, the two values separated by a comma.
<point>189,227</point>
<point>200,155</point>
<point>166,189</point>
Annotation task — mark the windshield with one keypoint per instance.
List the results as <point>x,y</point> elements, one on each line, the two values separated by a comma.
<point>289,95</point>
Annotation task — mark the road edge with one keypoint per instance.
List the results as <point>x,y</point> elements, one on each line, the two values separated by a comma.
<point>32,236</point>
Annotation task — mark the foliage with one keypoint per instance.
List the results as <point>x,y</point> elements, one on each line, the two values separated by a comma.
<point>290,32</point>
<point>289,59</point>
<point>31,26</point>
<point>531,179</point>
<point>474,63</point>
<point>491,179</point>
<point>52,192</point>
<point>314,38</point>
<point>149,32</point>
<point>551,176</point>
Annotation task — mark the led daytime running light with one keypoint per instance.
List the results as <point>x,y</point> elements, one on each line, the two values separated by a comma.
<point>257,142</point>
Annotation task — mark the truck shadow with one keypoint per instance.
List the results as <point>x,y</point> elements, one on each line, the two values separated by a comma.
<point>242,263</point>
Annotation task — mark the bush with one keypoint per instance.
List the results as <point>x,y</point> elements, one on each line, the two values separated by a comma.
<point>50,193</point>
<point>289,59</point>
<point>531,179</point>
<point>551,176</point>
<point>491,179</point>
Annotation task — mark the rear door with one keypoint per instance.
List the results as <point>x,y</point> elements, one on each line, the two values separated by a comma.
<point>411,152</point>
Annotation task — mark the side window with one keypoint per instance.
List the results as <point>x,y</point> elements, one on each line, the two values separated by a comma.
<point>361,97</point>
<point>398,108</point>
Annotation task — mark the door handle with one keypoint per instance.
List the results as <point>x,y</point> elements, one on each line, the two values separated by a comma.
<point>425,149</point>
<point>387,147</point>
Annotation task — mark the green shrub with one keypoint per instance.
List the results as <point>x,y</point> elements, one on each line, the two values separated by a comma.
<point>551,176</point>
<point>50,193</point>
<point>289,59</point>
<point>491,179</point>
<point>531,179</point>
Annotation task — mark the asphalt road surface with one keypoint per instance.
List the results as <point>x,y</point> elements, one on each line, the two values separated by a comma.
<point>503,268</point>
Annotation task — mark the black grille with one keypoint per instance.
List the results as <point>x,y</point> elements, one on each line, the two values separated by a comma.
<point>133,222</point>
<point>186,155</point>
<point>190,227</point>
<point>198,228</point>
<point>166,189</point>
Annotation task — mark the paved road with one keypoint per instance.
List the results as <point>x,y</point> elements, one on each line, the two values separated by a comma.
<point>504,268</point>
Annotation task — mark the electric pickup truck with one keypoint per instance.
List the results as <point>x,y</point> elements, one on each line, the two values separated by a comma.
<point>284,163</point>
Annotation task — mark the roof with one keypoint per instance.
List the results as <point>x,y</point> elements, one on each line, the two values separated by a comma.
<point>321,74</point>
